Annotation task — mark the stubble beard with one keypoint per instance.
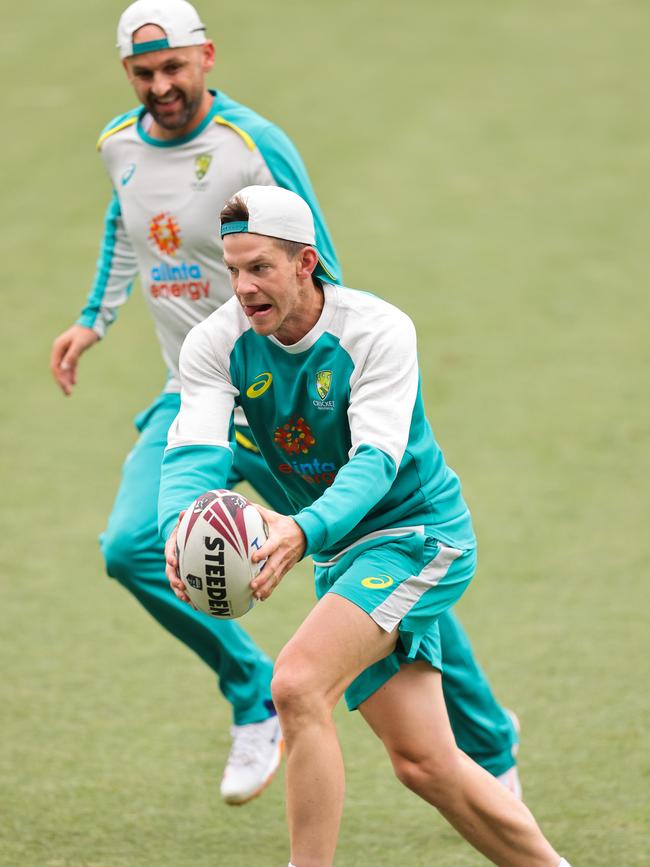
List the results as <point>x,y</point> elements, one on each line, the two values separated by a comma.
<point>182,118</point>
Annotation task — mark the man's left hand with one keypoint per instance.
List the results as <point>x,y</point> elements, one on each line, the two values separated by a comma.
<point>283,548</point>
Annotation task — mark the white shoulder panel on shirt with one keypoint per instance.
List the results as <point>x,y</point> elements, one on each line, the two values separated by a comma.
<point>216,335</point>
<point>364,323</point>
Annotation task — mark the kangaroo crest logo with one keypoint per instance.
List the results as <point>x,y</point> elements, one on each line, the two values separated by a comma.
<point>201,165</point>
<point>323,383</point>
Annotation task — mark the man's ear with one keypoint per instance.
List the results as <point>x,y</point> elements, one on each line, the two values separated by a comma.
<point>306,262</point>
<point>208,55</point>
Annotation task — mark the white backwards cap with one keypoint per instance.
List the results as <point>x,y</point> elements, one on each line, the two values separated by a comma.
<point>178,18</point>
<point>277,213</point>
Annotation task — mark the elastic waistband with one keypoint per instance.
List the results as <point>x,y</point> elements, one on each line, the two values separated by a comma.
<point>390,532</point>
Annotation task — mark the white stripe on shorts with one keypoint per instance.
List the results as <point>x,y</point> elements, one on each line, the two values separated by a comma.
<point>393,609</point>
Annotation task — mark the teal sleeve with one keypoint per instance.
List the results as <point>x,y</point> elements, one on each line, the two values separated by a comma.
<point>358,486</point>
<point>187,472</point>
<point>288,170</point>
<point>114,274</point>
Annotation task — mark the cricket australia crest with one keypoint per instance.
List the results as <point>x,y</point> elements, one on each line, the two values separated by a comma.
<point>323,383</point>
<point>323,386</point>
<point>201,165</point>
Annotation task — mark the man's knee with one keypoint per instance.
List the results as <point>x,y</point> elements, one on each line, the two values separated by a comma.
<point>296,688</point>
<point>115,552</point>
<point>433,772</point>
<point>121,550</point>
<point>288,687</point>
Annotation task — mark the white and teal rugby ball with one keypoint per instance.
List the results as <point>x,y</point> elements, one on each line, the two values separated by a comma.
<point>216,538</point>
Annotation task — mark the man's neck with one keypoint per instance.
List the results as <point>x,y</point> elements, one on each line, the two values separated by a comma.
<point>305,319</point>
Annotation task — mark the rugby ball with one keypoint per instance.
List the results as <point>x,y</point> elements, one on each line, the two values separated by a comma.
<point>216,537</point>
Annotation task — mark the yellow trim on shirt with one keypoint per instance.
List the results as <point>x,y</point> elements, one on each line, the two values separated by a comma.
<point>245,443</point>
<point>249,141</point>
<point>110,132</point>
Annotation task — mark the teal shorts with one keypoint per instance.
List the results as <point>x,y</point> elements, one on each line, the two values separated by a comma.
<point>403,579</point>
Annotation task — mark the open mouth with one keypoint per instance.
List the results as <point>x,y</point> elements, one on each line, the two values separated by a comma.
<point>252,310</point>
<point>169,104</point>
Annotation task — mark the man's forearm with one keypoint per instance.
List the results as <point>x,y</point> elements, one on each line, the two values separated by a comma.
<point>188,471</point>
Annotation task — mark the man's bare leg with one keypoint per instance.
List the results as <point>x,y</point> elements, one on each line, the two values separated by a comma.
<point>335,643</point>
<point>332,646</point>
<point>408,714</point>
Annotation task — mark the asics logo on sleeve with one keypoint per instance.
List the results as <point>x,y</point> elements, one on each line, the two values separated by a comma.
<point>260,384</point>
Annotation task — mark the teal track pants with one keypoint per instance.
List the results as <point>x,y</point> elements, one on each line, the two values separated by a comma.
<point>133,553</point>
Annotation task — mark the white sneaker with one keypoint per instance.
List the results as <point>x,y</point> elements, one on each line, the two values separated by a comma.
<point>510,780</point>
<point>254,758</point>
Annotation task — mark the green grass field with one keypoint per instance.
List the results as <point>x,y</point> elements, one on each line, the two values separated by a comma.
<point>485,167</point>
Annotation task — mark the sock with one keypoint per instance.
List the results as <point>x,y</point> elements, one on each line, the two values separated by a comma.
<point>562,863</point>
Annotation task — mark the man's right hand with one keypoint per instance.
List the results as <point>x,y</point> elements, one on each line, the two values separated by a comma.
<point>66,350</point>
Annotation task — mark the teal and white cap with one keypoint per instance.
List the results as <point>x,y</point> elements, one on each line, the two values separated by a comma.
<point>178,18</point>
<point>275,212</point>
<point>278,213</point>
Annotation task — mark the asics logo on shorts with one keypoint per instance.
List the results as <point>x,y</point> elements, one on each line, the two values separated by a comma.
<point>378,582</point>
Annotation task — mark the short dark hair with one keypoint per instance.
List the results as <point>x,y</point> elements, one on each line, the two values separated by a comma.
<point>235,211</point>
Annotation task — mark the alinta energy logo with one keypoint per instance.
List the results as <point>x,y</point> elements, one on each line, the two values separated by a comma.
<point>182,280</point>
<point>164,231</point>
<point>296,439</point>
